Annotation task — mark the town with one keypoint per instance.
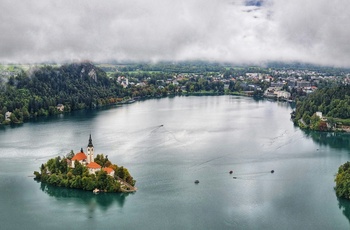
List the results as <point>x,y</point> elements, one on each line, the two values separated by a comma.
<point>273,83</point>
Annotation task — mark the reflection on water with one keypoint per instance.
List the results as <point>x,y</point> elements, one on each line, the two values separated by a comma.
<point>88,199</point>
<point>339,141</point>
<point>344,205</point>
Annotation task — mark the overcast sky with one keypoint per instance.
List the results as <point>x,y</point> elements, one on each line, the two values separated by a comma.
<point>236,31</point>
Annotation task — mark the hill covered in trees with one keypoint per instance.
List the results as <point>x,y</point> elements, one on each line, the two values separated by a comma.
<point>334,103</point>
<point>52,89</point>
<point>38,92</point>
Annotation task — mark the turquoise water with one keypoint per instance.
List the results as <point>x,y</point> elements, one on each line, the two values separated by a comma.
<point>167,144</point>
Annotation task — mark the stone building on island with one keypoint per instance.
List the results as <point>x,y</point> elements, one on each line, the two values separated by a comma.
<point>88,160</point>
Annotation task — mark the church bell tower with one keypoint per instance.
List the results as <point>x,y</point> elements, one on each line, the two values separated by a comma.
<point>90,151</point>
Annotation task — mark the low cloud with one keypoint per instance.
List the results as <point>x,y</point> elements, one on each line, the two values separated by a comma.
<point>236,31</point>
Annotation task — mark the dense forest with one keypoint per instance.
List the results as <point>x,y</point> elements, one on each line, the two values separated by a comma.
<point>38,92</point>
<point>334,103</point>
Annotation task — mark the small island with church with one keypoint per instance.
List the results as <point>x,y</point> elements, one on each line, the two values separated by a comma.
<point>84,171</point>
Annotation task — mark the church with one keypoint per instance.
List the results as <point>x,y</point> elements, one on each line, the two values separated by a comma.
<point>88,160</point>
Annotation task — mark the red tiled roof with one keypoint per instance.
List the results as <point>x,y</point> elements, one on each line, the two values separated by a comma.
<point>79,156</point>
<point>108,170</point>
<point>93,165</point>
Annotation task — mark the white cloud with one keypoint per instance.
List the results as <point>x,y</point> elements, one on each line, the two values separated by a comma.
<point>216,30</point>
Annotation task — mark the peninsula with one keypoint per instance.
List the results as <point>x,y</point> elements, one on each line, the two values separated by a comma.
<point>324,110</point>
<point>83,171</point>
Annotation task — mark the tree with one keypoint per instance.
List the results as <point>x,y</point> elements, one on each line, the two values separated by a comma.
<point>70,155</point>
<point>14,119</point>
<point>63,166</point>
<point>102,179</point>
<point>121,173</point>
<point>88,183</point>
<point>342,180</point>
<point>78,168</point>
<point>51,165</point>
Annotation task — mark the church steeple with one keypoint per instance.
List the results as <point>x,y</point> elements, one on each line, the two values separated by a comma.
<point>90,151</point>
<point>90,142</point>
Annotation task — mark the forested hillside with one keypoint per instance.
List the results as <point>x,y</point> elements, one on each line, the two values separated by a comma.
<point>332,102</point>
<point>38,92</point>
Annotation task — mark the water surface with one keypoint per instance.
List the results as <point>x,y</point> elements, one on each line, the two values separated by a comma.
<point>167,144</point>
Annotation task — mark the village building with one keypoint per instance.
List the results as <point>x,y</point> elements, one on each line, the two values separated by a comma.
<point>93,167</point>
<point>109,171</point>
<point>80,157</point>
<point>88,160</point>
<point>60,107</point>
<point>7,116</point>
<point>282,94</point>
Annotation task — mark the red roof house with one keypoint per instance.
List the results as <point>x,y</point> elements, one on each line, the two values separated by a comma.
<point>93,167</point>
<point>81,157</point>
<point>109,171</point>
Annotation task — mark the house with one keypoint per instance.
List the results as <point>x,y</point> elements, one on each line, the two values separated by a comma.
<point>60,107</point>
<point>277,84</point>
<point>319,114</point>
<point>80,157</point>
<point>283,94</point>
<point>109,171</point>
<point>93,167</point>
<point>7,116</point>
<point>303,84</point>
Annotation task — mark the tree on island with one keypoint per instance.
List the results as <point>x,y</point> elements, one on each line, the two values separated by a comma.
<point>342,181</point>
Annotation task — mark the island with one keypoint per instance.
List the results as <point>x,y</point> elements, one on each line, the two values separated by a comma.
<point>83,171</point>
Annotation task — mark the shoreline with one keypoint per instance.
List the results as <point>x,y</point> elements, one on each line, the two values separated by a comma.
<point>131,101</point>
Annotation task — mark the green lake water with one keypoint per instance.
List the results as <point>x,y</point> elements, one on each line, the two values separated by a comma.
<point>167,144</point>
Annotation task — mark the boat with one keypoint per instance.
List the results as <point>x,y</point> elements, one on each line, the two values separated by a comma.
<point>196,181</point>
<point>272,171</point>
<point>130,101</point>
<point>231,172</point>
<point>96,191</point>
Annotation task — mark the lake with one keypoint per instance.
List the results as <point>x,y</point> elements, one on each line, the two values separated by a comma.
<point>167,144</point>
